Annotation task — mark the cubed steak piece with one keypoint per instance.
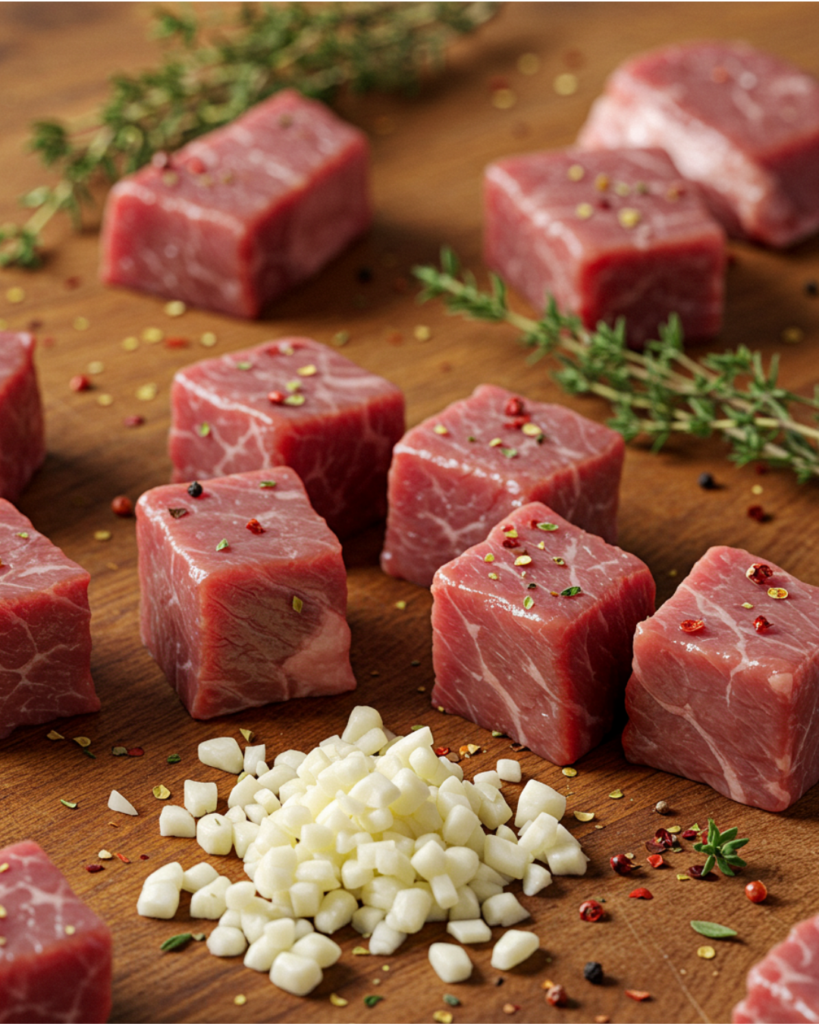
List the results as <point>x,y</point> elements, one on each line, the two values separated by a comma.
<point>532,632</point>
<point>244,592</point>
<point>55,960</point>
<point>455,475</point>
<point>783,988</point>
<point>296,403</point>
<point>741,122</point>
<point>726,682</point>
<point>45,629</point>
<point>22,441</point>
<point>237,217</point>
<point>607,234</point>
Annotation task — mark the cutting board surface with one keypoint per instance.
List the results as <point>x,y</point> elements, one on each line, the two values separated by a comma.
<point>428,157</point>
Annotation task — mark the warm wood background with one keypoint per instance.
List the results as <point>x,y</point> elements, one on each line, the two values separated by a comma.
<point>54,59</point>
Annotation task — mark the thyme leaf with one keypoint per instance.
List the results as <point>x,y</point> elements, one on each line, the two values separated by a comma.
<point>215,70</point>
<point>656,393</point>
<point>721,848</point>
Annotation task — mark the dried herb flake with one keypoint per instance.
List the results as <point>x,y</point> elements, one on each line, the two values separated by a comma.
<point>174,758</point>
<point>70,804</point>
<point>372,1000</point>
<point>176,942</point>
<point>266,484</point>
<point>177,513</point>
<point>571,592</point>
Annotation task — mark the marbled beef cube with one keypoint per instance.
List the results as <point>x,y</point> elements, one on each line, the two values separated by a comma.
<point>296,403</point>
<point>244,592</point>
<point>783,988</point>
<point>726,682</point>
<point>740,122</point>
<point>55,962</point>
<point>607,234</point>
<point>453,476</point>
<point>240,215</point>
<point>532,632</point>
<point>22,443</point>
<point>45,628</point>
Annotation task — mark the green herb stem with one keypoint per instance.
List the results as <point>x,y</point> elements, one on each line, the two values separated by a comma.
<point>216,72</point>
<point>656,393</point>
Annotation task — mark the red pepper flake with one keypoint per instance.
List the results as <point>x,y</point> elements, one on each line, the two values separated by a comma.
<point>122,506</point>
<point>176,343</point>
<point>94,868</point>
<point>514,407</point>
<point>662,835</point>
<point>758,512</point>
<point>277,397</point>
<point>254,526</point>
<point>133,421</point>
<point>621,864</point>
<point>761,624</point>
<point>695,871</point>
<point>640,894</point>
<point>144,856</point>
<point>557,996</point>
<point>195,165</point>
<point>690,833</point>
<point>136,752</point>
<point>79,382</point>
<point>123,858</point>
<point>691,625</point>
<point>759,572</point>
<point>71,283</point>
<point>655,860</point>
<point>591,910</point>
<point>636,994</point>
<point>441,751</point>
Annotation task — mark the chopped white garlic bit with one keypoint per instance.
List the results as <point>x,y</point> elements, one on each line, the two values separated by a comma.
<point>117,802</point>
<point>368,829</point>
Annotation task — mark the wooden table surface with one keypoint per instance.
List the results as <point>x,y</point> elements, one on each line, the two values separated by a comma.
<point>428,156</point>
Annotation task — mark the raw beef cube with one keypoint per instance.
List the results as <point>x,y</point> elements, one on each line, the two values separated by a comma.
<point>22,443</point>
<point>45,628</point>
<point>783,988</point>
<point>608,234</point>
<point>244,592</point>
<point>55,962</point>
<point>742,123</point>
<point>295,403</point>
<point>455,475</point>
<point>240,215</point>
<point>532,632</point>
<point>725,687</point>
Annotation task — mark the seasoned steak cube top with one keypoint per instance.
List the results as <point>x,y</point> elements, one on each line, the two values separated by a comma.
<point>754,98</point>
<point>537,565</point>
<point>240,520</point>
<point>29,562</point>
<point>606,200</point>
<point>297,378</point>
<point>714,610</point>
<point>233,172</point>
<point>14,349</point>
<point>498,435</point>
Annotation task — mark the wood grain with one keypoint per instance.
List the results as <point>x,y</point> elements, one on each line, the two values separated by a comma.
<point>427,169</point>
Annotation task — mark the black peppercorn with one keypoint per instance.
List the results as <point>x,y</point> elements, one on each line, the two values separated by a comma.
<point>593,972</point>
<point>195,489</point>
<point>812,289</point>
<point>707,482</point>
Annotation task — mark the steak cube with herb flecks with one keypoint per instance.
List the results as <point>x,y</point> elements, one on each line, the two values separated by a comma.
<point>607,234</point>
<point>455,475</point>
<point>45,628</point>
<point>55,960</point>
<point>725,687</point>
<point>740,122</point>
<point>532,632</point>
<point>240,215</point>
<point>244,592</point>
<point>297,403</point>
<point>22,442</point>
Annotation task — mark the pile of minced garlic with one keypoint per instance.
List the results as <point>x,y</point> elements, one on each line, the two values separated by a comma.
<point>369,829</point>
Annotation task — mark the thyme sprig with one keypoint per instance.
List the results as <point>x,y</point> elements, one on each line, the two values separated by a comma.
<point>721,848</point>
<point>213,73</point>
<point>656,393</point>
